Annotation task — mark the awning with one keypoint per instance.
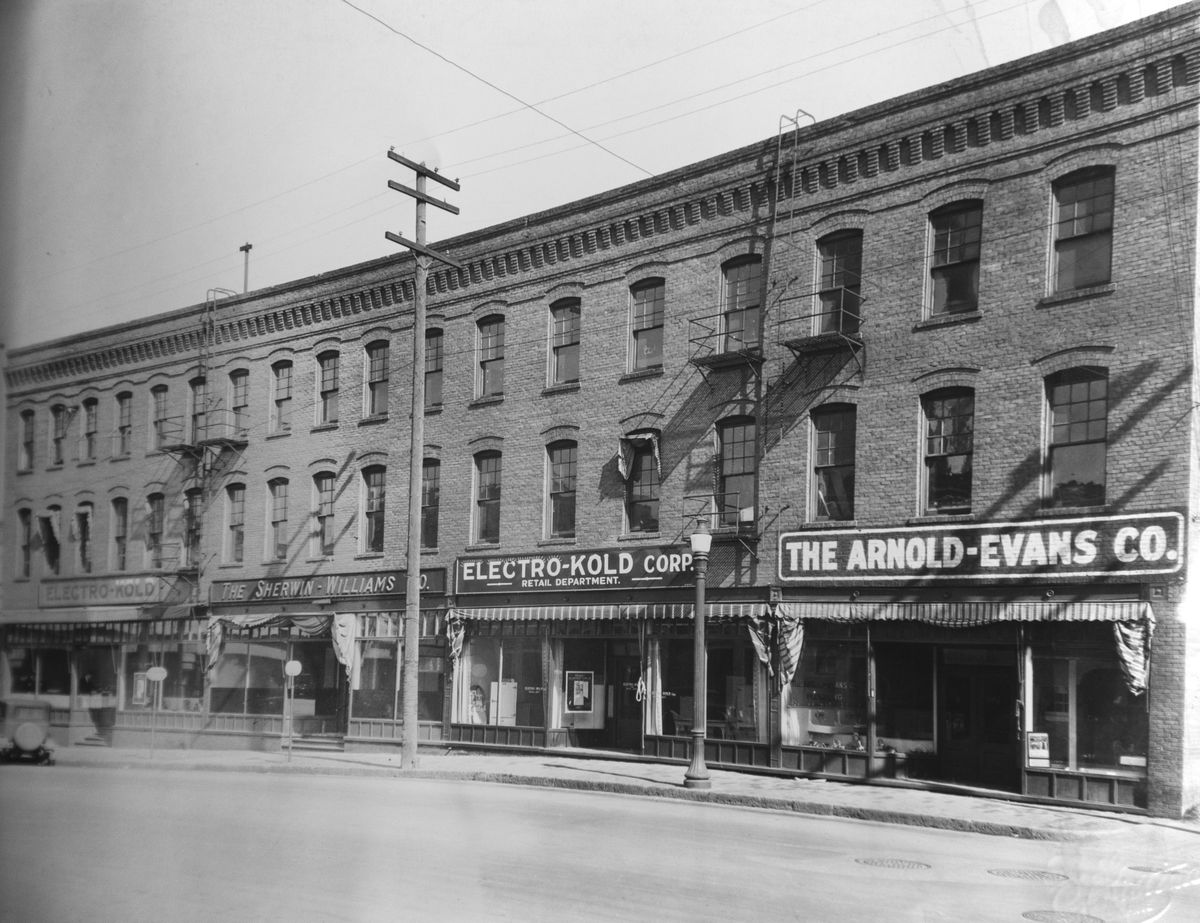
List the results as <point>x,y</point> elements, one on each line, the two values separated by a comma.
<point>653,611</point>
<point>971,614</point>
<point>630,443</point>
<point>94,632</point>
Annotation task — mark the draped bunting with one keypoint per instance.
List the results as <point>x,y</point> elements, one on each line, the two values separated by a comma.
<point>308,625</point>
<point>629,444</point>
<point>345,634</point>
<point>455,632</point>
<point>1133,651</point>
<point>778,641</point>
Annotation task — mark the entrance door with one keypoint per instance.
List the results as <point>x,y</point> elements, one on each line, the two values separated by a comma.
<point>625,670</point>
<point>978,724</point>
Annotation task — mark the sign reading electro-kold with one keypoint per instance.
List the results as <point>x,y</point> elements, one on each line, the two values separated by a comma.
<point>644,567</point>
<point>1138,544</point>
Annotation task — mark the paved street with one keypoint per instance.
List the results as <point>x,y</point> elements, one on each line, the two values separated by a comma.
<point>146,843</point>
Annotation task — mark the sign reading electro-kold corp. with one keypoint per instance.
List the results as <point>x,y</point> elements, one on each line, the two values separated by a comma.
<point>1138,544</point>
<point>608,569</point>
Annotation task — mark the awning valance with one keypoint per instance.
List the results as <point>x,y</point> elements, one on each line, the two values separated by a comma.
<point>653,611</point>
<point>628,445</point>
<point>971,614</point>
<point>116,632</point>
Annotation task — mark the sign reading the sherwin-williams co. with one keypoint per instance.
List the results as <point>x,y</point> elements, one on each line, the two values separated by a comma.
<point>1138,544</point>
<point>324,586</point>
<point>644,567</point>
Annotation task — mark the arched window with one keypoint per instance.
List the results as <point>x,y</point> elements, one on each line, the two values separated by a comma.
<point>281,396</point>
<point>431,499</point>
<point>323,524</point>
<point>1077,442</point>
<point>235,523</point>
<point>1083,228</point>
<point>156,520</point>
<point>487,497</point>
<point>647,303</point>
<point>377,372</point>
<point>949,448</point>
<point>491,356</point>
<point>120,534</point>
<point>565,323</point>
<point>433,370</point>
<point>277,519</point>
<point>560,488</point>
<point>737,471</point>
<point>955,233</point>
<point>840,295</point>
<point>834,432</point>
<point>374,480</point>
<point>327,386</point>
<point>741,303</point>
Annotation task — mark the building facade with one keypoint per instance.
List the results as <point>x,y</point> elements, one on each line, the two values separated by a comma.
<point>900,363</point>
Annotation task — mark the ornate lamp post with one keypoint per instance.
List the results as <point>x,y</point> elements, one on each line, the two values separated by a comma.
<point>697,773</point>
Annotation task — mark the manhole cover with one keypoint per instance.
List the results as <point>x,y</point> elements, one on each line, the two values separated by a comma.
<point>893,863</point>
<point>1157,869</point>
<point>1027,874</point>
<point>1059,916</point>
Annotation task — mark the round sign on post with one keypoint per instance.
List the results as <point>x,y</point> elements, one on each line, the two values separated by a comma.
<point>156,674</point>
<point>292,668</point>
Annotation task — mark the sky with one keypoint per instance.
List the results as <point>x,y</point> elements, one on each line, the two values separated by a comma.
<point>144,142</point>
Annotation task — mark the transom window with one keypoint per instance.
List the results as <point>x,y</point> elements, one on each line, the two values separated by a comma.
<point>487,497</point>
<point>949,446</point>
<point>834,432</point>
<point>648,307</point>
<point>564,345</point>
<point>1083,229</point>
<point>954,264</point>
<point>562,462</point>
<point>491,357</point>
<point>740,311</point>
<point>1078,439</point>
<point>841,282</point>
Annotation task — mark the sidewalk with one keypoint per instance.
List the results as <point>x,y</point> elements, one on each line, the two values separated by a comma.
<point>589,771</point>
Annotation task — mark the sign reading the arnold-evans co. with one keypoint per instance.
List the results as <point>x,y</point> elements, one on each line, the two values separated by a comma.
<point>1096,546</point>
<point>324,586</point>
<point>644,567</point>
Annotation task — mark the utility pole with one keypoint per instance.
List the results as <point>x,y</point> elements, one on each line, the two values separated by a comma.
<point>412,590</point>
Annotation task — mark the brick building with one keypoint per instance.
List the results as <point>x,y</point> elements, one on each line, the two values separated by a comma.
<point>898,362</point>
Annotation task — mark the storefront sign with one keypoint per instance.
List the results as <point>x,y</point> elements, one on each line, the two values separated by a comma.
<point>1125,546</point>
<point>579,691</point>
<point>324,586</point>
<point>104,591</point>
<point>610,569</point>
<point>1037,747</point>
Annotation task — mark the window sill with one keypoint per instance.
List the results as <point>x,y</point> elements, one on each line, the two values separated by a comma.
<point>483,546</point>
<point>231,565</point>
<point>486,401</point>
<point>55,467</point>
<point>1078,294</point>
<point>948,320</point>
<point>564,388</point>
<point>832,524</point>
<point>557,542</point>
<point>280,435</point>
<point>369,556</point>
<point>431,552</point>
<point>1066,512</point>
<point>30,470</point>
<point>86,463</point>
<point>641,375</point>
<point>324,427</point>
<point>639,536</point>
<point>373,420</point>
<point>115,458</point>
<point>929,518</point>
<point>434,410</point>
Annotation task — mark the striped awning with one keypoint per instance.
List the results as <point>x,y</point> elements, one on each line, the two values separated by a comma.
<point>654,611</point>
<point>126,632</point>
<point>970,614</point>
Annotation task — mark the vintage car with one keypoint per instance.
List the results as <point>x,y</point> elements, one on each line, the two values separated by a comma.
<point>25,732</point>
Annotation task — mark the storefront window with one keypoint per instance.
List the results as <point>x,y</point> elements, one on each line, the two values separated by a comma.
<point>375,696</point>
<point>249,679</point>
<point>98,668</point>
<point>431,682</point>
<point>39,672</point>
<point>503,682</point>
<point>733,707</point>
<point>182,690</point>
<point>827,700</point>
<point>1087,713</point>
<point>318,687</point>
<point>904,698</point>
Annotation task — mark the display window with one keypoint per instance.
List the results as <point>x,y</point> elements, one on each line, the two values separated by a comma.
<point>502,682</point>
<point>378,676</point>
<point>735,698</point>
<point>40,672</point>
<point>182,690</point>
<point>249,679</point>
<point>826,702</point>
<point>904,704</point>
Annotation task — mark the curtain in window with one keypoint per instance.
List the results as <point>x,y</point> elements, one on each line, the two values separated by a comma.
<point>652,703</point>
<point>627,447</point>
<point>51,526</point>
<point>554,679</point>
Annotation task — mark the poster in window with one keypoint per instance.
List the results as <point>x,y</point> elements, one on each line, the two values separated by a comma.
<point>141,690</point>
<point>579,691</point>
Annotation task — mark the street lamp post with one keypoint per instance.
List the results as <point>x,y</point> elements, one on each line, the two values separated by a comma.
<point>697,773</point>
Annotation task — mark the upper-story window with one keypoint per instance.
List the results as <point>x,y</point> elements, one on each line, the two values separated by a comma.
<point>431,501</point>
<point>193,519</point>
<point>323,526</point>
<point>198,421</point>
<point>647,305</point>
<point>1077,443</point>
<point>491,356</point>
<point>488,467</point>
<point>24,543</point>
<point>159,421</point>
<point>1083,228</point>
<point>58,433</point>
<point>239,401</point>
<point>561,461</point>
<point>50,533</point>
<point>565,322</point>
<point>25,442</point>
<point>327,386</point>
<point>83,538</point>
<point>639,467</point>
<point>235,523</point>
<point>433,369</point>
<point>956,231</point>
<point>741,303</point>
<point>840,295</point>
<point>120,533</point>
<point>123,435</point>
<point>281,396</point>
<point>378,371</point>
<point>156,520</point>
<point>88,434</point>
<point>277,519</point>
<point>949,447</point>
<point>374,500</point>
<point>737,473</point>
<point>834,434</point>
